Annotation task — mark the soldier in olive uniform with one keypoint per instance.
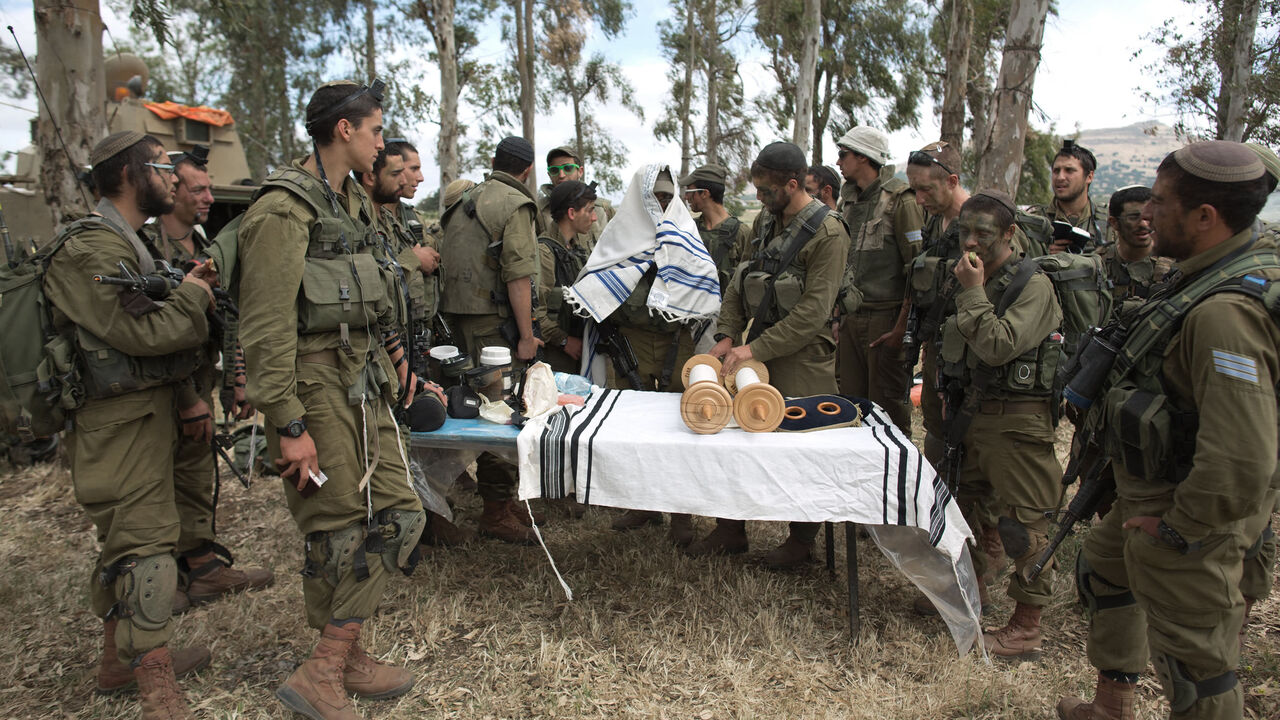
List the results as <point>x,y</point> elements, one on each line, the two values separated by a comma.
<point>1204,359</point>
<point>490,260</point>
<point>727,238</point>
<point>1132,269</point>
<point>134,358</point>
<point>823,185</point>
<point>205,566</point>
<point>325,366</point>
<point>564,164</point>
<point>661,348</point>
<point>884,224</point>
<point>1072,170</point>
<point>795,344</point>
<point>1000,352</point>
<point>572,205</point>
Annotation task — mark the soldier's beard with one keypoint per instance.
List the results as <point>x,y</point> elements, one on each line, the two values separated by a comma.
<point>156,201</point>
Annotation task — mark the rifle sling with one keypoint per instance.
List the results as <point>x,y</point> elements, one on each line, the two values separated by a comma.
<point>808,229</point>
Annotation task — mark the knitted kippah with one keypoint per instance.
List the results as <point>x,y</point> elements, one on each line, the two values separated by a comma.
<point>783,156</point>
<point>1219,161</point>
<point>113,145</point>
<point>516,147</point>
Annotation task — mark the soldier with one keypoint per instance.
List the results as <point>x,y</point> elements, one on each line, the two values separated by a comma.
<point>884,224</point>
<point>1073,169</point>
<point>661,347</point>
<point>135,357</point>
<point>490,259</point>
<point>999,352</point>
<point>795,343</point>
<point>572,205</point>
<point>1129,264</point>
<point>1203,361</point>
<point>823,185</point>
<point>325,367</point>
<point>564,164</point>
<point>204,565</point>
<point>728,240</point>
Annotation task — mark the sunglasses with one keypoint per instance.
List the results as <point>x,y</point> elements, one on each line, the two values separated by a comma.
<point>566,168</point>
<point>923,157</point>
<point>162,167</point>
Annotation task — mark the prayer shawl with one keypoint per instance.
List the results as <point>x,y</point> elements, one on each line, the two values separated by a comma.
<point>641,235</point>
<point>630,449</point>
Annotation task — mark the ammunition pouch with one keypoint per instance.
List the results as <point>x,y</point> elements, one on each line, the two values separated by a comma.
<point>340,294</point>
<point>850,298</point>
<point>924,281</point>
<point>1148,437</point>
<point>106,372</point>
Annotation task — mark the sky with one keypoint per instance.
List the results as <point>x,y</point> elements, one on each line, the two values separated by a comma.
<point>1087,80</point>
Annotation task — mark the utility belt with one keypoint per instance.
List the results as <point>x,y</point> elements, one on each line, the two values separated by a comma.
<point>107,372</point>
<point>1013,407</point>
<point>1031,373</point>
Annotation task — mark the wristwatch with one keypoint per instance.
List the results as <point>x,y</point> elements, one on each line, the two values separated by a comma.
<point>719,336</point>
<point>294,428</point>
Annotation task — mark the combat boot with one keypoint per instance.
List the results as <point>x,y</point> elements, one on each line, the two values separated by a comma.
<point>1113,700</point>
<point>210,577</point>
<point>316,689</point>
<point>158,689</point>
<point>681,531</point>
<point>368,678</point>
<point>1019,639</point>
<point>796,550</point>
<point>520,512</point>
<point>729,538</point>
<point>115,676</point>
<point>442,533</point>
<point>497,521</point>
<point>181,603</point>
<point>635,519</point>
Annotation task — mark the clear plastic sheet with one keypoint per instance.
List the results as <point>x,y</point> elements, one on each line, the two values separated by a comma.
<point>952,587</point>
<point>434,471</point>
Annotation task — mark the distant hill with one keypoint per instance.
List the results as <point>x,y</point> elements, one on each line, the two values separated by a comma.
<point>1128,155</point>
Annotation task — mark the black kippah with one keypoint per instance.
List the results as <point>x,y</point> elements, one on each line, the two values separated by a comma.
<point>783,156</point>
<point>564,195</point>
<point>516,147</point>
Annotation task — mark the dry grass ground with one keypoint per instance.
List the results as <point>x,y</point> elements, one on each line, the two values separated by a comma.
<point>649,634</point>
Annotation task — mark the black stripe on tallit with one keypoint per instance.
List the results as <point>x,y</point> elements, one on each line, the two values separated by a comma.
<point>591,441</point>
<point>891,433</point>
<point>884,479</point>
<point>938,512</point>
<point>595,405</point>
<point>552,451</point>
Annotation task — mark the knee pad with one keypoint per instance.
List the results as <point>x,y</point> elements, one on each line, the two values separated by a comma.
<point>1086,577</point>
<point>400,530</point>
<point>1014,536</point>
<point>1180,690</point>
<point>331,555</point>
<point>144,590</point>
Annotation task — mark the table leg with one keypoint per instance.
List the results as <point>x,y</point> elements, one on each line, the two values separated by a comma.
<point>851,557</point>
<point>831,549</point>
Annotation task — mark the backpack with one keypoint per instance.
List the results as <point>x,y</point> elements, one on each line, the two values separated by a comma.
<point>36,362</point>
<point>1084,294</point>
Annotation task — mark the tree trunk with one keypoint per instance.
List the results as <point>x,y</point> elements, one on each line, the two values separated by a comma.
<point>1239,24</point>
<point>805,83</point>
<point>447,52</point>
<point>686,123</point>
<point>69,69</point>
<point>1000,164</point>
<point>712,70</point>
<point>821,116</point>
<point>957,72</point>
<point>524,68</point>
<point>978,90</point>
<point>370,37</point>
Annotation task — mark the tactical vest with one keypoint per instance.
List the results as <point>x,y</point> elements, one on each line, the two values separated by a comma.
<point>106,372</point>
<point>720,243</point>
<point>1135,280</point>
<point>568,263</point>
<point>1142,429</point>
<point>1032,373</point>
<point>344,286</point>
<point>877,262</point>
<point>1093,223</point>
<point>471,254</point>
<point>753,275</point>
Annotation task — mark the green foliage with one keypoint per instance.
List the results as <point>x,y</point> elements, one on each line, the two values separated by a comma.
<point>871,64</point>
<point>1188,71</point>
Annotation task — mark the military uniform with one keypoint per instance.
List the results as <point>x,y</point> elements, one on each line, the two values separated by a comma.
<point>604,212</point>
<point>559,262</point>
<point>1217,375</point>
<point>885,224</point>
<point>1008,448</point>
<point>135,376</point>
<point>489,241</point>
<point>728,243</point>
<point>1132,282</point>
<point>314,300</point>
<point>1093,221</point>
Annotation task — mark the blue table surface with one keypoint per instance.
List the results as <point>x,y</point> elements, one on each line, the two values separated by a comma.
<point>467,432</point>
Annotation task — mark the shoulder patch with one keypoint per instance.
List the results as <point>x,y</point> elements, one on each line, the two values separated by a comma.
<point>1240,367</point>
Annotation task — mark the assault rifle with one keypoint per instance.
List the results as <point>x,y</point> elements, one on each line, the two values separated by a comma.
<point>158,285</point>
<point>911,338</point>
<point>1097,486</point>
<point>615,345</point>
